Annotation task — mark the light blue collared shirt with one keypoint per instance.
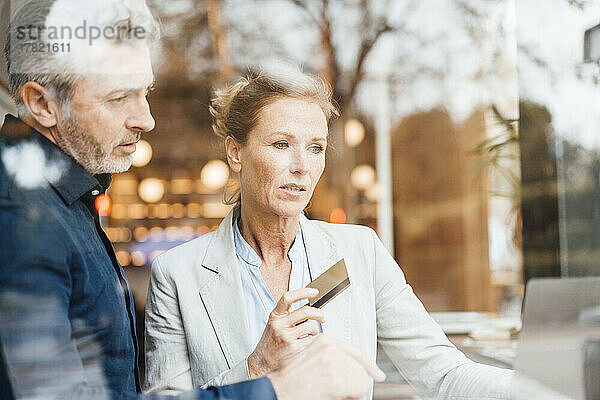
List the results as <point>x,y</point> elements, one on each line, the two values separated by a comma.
<point>259,301</point>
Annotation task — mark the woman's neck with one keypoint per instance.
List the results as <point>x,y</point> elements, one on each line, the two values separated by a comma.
<point>271,236</point>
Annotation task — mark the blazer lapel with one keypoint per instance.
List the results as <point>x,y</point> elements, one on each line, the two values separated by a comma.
<point>223,296</point>
<point>322,254</point>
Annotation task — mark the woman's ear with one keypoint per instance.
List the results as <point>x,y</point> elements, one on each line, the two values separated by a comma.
<point>42,105</point>
<point>232,149</point>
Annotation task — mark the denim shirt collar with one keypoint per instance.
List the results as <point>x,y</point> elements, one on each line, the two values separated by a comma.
<point>74,181</point>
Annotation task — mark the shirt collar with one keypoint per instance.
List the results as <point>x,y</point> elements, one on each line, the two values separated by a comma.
<point>297,249</point>
<point>247,253</point>
<point>75,181</point>
<point>242,248</point>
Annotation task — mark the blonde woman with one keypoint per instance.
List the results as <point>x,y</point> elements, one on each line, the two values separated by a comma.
<point>228,306</point>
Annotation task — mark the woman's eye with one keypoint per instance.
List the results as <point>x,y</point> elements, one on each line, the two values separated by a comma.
<point>316,149</point>
<point>280,145</point>
<point>119,99</point>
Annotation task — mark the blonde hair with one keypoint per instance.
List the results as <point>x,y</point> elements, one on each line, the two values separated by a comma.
<point>236,108</point>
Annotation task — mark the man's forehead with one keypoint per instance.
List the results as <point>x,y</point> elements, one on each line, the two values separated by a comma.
<point>114,67</point>
<point>108,57</point>
<point>103,86</point>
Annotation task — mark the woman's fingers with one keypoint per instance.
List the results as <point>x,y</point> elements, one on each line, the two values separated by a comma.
<point>305,341</point>
<point>303,313</point>
<point>309,328</point>
<point>301,344</point>
<point>289,298</point>
<point>280,337</point>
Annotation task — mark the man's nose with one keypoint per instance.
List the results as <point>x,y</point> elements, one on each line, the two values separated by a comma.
<point>141,119</point>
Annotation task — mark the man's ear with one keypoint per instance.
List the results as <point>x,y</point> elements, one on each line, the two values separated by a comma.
<point>232,149</point>
<point>43,106</point>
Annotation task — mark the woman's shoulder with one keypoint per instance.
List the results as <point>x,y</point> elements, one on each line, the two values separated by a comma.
<point>351,242</point>
<point>344,233</point>
<point>185,254</point>
<point>350,229</point>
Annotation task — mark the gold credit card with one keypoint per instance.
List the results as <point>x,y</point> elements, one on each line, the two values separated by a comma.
<point>330,283</point>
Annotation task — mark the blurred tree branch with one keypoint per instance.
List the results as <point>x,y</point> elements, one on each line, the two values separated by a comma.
<point>581,4</point>
<point>372,28</point>
<point>219,35</point>
<point>304,6</point>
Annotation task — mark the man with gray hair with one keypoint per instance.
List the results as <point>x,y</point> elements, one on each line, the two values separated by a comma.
<point>79,73</point>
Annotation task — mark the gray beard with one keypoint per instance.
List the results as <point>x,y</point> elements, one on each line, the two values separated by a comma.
<point>74,141</point>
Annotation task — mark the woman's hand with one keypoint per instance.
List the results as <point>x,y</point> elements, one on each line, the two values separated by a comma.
<point>286,334</point>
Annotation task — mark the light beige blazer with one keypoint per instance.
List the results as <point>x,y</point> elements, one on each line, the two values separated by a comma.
<point>197,329</point>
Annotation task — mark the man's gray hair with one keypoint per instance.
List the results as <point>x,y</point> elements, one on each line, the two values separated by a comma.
<point>56,67</point>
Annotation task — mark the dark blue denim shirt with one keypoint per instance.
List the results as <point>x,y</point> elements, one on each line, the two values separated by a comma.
<point>66,311</point>
<point>53,250</point>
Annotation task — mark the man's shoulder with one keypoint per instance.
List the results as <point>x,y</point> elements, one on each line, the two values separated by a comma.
<point>27,221</point>
<point>23,169</point>
<point>26,197</point>
<point>4,180</point>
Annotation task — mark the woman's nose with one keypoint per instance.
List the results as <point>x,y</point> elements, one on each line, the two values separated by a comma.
<point>299,163</point>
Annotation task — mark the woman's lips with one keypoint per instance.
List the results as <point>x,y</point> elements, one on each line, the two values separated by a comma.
<point>293,189</point>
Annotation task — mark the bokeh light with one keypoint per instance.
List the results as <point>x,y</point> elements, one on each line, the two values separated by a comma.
<point>151,190</point>
<point>123,258</point>
<point>354,132</point>
<point>103,205</point>
<point>337,216</point>
<point>362,176</point>
<point>214,174</point>
<point>138,258</point>
<point>373,192</point>
<point>143,154</point>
